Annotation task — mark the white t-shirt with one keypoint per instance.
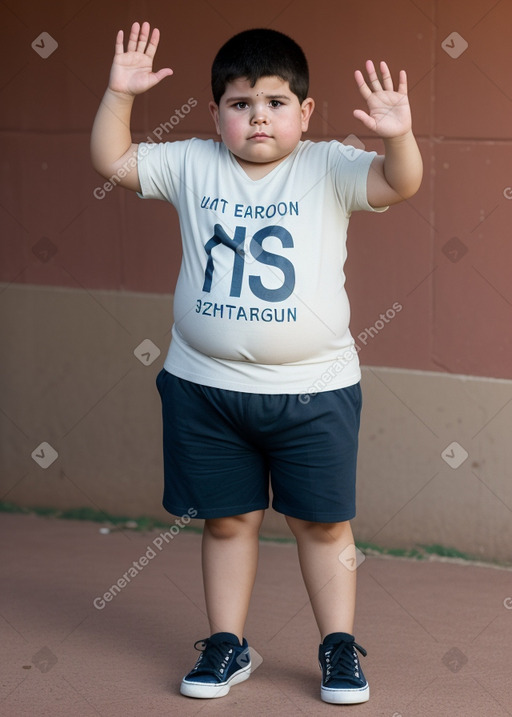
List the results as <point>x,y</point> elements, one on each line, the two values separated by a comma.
<point>260,303</point>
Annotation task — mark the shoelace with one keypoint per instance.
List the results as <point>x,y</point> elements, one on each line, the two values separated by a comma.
<point>214,656</point>
<point>343,661</point>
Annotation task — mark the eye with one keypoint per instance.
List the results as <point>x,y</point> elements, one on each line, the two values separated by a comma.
<point>240,105</point>
<point>275,103</point>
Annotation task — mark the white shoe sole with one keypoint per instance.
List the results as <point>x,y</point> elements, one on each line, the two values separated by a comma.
<point>200,690</point>
<point>345,697</point>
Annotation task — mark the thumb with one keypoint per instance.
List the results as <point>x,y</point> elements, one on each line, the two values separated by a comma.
<point>162,74</point>
<point>365,118</point>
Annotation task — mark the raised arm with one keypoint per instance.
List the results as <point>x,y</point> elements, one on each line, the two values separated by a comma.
<point>112,151</point>
<point>396,175</point>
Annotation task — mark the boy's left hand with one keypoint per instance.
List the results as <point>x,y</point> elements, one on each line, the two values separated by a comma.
<point>389,114</point>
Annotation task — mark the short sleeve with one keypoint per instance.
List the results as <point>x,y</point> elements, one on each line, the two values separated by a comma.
<point>160,169</point>
<point>351,167</point>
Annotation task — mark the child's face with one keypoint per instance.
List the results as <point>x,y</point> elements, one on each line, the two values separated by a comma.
<point>261,124</point>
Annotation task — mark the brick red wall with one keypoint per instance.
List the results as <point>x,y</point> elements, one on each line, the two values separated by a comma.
<point>444,256</point>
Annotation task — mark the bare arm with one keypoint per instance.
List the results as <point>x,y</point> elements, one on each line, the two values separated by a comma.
<point>397,174</point>
<point>113,153</point>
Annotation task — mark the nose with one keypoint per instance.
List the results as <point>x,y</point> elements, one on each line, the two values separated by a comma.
<point>259,113</point>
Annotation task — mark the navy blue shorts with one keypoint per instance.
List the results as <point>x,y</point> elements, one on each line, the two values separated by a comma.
<point>222,448</point>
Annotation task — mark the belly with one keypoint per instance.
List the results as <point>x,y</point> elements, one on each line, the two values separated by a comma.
<point>286,332</point>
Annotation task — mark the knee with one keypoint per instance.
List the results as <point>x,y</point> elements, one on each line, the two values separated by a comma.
<point>319,532</point>
<point>234,526</point>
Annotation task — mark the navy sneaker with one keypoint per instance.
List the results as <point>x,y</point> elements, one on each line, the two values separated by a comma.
<point>223,662</point>
<point>343,682</point>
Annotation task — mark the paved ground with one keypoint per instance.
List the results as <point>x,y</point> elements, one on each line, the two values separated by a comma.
<point>438,634</point>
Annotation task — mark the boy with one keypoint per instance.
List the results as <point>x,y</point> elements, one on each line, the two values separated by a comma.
<point>261,315</point>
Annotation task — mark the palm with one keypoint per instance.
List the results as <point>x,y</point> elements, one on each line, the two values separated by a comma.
<point>132,71</point>
<point>389,114</point>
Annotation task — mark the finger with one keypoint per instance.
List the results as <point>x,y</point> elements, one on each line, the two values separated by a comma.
<point>153,43</point>
<point>165,72</point>
<point>119,43</point>
<point>132,39</point>
<point>372,75</point>
<point>143,37</point>
<point>361,83</point>
<point>402,82</point>
<point>365,118</point>
<point>387,81</point>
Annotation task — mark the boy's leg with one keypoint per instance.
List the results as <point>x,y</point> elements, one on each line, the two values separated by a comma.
<point>328,558</point>
<point>330,584</point>
<point>230,560</point>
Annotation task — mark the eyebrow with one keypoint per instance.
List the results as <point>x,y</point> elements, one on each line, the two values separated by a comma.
<point>247,99</point>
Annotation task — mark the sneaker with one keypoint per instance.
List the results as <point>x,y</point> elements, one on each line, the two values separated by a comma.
<point>223,662</point>
<point>343,682</point>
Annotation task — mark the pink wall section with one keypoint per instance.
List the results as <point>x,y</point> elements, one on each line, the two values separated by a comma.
<point>444,257</point>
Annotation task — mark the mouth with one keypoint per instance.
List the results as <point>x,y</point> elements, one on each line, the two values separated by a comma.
<point>259,135</point>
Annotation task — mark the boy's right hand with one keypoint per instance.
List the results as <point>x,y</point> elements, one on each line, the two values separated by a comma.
<point>131,72</point>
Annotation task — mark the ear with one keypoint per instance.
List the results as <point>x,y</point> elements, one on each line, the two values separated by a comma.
<point>214,111</point>
<point>306,110</point>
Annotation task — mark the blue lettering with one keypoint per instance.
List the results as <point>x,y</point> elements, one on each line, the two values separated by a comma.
<point>220,237</point>
<point>269,259</point>
<point>213,204</point>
